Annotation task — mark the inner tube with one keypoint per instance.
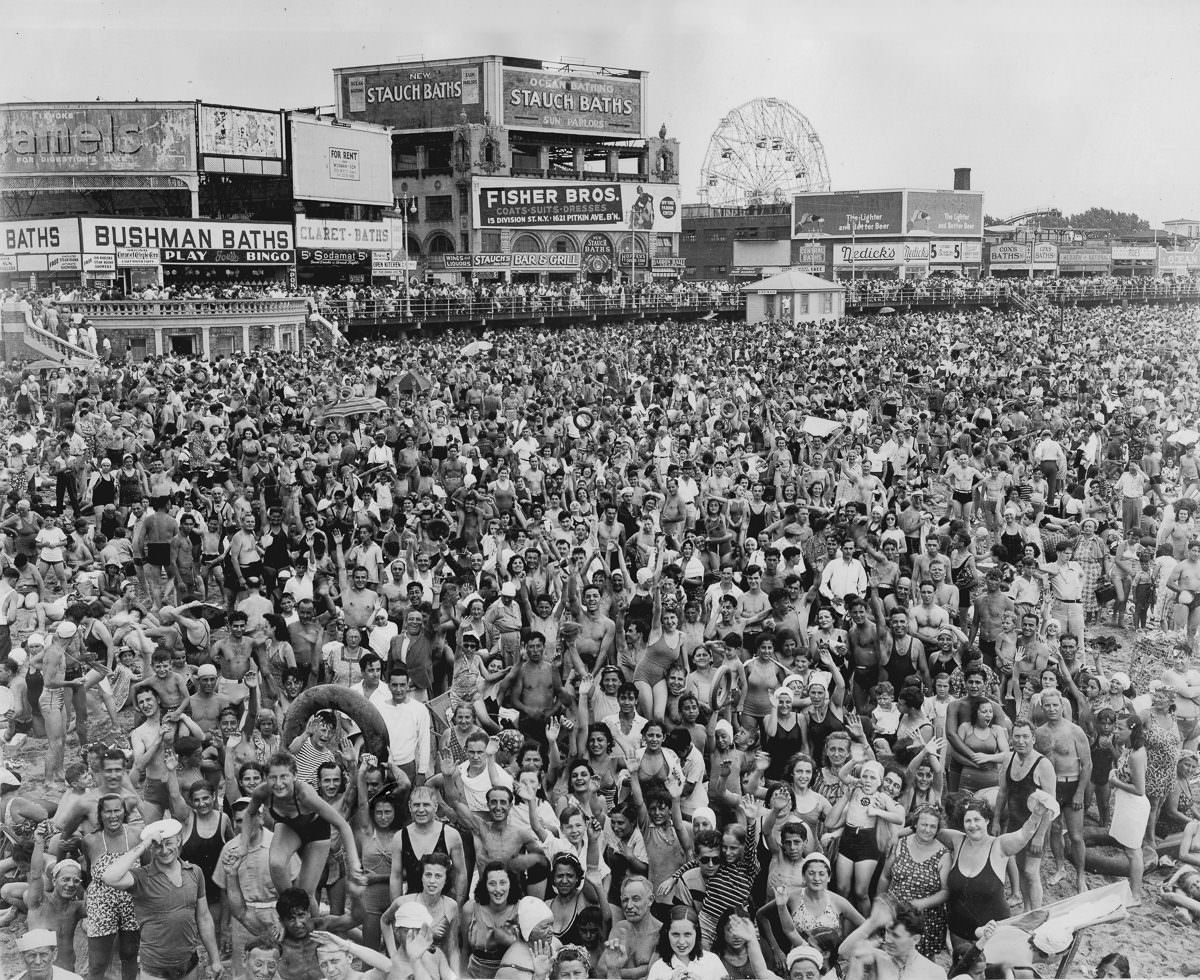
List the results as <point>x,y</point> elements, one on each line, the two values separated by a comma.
<point>721,689</point>
<point>1104,857</point>
<point>331,696</point>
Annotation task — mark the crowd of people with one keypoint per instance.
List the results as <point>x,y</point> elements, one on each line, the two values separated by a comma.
<point>643,650</point>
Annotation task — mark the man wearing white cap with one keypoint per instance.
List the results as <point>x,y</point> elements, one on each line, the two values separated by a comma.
<point>168,896</point>
<point>37,948</point>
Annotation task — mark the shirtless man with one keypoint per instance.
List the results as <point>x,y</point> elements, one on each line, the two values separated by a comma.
<point>235,656</point>
<point>1066,745</point>
<point>206,704</point>
<point>359,601</point>
<point>1184,584</point>
<point>865,655</point>
<point>963,478</point>
<point>496,838</point>
<point>79,814</point>
<point>152,544</point>
<point>538,689</point>
<point>245,556</point>
<point>1025,770</point>
<point>637,934</point>
<point>1033,655</point>
<point>988,616</point>
<point>306,636</point>
<point>928,618</point>
<point>53,898</point>
<point>1184,679</point>
<point>597,633</point>
<point>148,741</point>
<point>185,568</point>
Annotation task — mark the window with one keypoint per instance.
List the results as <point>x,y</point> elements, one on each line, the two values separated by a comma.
<point>664,244</point>
<point>439,208</point>
<point>464,244</point>
<point>741,234</point>
<point>828,305</point>
<point>563,243</point>
<point>688,236</point>
<point>802,302</point>
<point>464,200</point>
<point>489,241</point>
<point>526,243</point>
<point>718,235</point>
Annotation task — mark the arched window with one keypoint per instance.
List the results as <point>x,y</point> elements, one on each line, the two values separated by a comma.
<point>439,242</point>
<point>526,243</point>
<point>564,243</point>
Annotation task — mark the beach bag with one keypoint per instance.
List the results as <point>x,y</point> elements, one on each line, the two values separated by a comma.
<point>1105,593</point>
<point>1129,818</point>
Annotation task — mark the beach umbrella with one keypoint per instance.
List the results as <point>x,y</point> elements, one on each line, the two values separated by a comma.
<point>45,364</point>
<point>476,347</point>
<point>355,406</point>
<point>887,309</point>
<point>1184,437</point>
<point>414,382</point>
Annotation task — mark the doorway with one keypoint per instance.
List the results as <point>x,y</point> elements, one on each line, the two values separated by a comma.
<point>183,344</point>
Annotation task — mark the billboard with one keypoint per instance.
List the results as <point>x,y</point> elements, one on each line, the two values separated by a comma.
<point>98,137</point>
<point>146,241</point>
<point>229,131</point>
<point>1134,253</point>
<point>763,253</point>
<point>333,233</point>
<point>49,236</point>
<point>411,96</point>
<point>516,261</point>
<point>502,202</point>
<point>1085,257</point>
<point>572,102</point>
<point>331,161</point>
<point>876,254</point>
<point>1009,254</point>
<point>865,213</point>
<point>951,213</point>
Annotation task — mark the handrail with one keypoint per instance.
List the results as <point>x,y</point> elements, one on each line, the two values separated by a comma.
<point>187,307</point>
<point>63,348</point>
<point>436,308</point>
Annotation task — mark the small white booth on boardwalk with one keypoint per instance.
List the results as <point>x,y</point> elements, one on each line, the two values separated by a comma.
<point>794,297</point>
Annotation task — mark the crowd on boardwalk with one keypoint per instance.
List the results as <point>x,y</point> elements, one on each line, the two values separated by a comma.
<point>694,650</point>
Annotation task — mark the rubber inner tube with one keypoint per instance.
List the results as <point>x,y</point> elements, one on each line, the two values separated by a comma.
<point>331,696</point>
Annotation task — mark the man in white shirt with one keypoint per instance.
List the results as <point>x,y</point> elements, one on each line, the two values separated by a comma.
<point>1052,458</point>
<point>370,666</point>
<point>843,576</point>
<point>409,729</point>
<point>1066,580</point>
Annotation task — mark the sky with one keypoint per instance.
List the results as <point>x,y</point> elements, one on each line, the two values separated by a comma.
<point>1051,103</point>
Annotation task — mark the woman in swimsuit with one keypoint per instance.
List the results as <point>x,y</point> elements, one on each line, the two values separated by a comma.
<point>303,822</point>
<point>375,845</point>
<point>110,919</point>
<point>976,879</point>
<point>435,869</point>
<point>205,832</point>
<point>813,908</point>
<point>572,894</point>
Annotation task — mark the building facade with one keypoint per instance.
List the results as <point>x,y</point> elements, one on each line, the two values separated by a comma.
<point>523,169</point>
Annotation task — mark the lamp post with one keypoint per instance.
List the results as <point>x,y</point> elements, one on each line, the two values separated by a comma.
<point>406,205</point>
<point>853,242</point>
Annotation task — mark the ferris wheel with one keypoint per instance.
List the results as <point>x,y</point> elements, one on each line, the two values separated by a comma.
<point>763,152</point>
